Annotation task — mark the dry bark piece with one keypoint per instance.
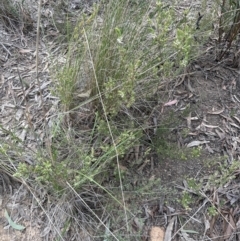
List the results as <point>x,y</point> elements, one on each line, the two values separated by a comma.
<point>168,235</point>
<point>156,234</point>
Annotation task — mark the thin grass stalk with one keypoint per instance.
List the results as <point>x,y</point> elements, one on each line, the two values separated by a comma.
<point>234,29</point>
<point>110,132</point>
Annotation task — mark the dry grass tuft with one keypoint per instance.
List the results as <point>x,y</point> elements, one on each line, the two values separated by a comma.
<point>15,16</point>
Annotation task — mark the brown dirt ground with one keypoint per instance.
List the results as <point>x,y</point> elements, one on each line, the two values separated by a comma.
<point>211,89</point>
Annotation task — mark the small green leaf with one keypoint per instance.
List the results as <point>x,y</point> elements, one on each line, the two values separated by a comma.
<point>118,32</point>
<point>11,223</point>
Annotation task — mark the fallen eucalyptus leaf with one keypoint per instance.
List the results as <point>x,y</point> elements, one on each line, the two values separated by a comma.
<point>173,102</point>
<point>189,231</point>
<point>196,143</point>
<point>216,112</point>
<point>11,223</point>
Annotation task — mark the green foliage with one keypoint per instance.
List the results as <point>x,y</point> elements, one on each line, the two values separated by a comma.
<point>196,152</point>
<point>52,175</point>
<point>75,163</point>
<point>115,57</point>
<point>194,185</point>
<point>177,34</point>
<point>72,74</point>
<point>186,200</point>
<point>119,46</point>
<point>104,163</point>
<point>224,173</point>
<point>65,88</point>
<point>184,44</point>
<point>12,151</point>
<point>212,211</point>
<point>128,52</point>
